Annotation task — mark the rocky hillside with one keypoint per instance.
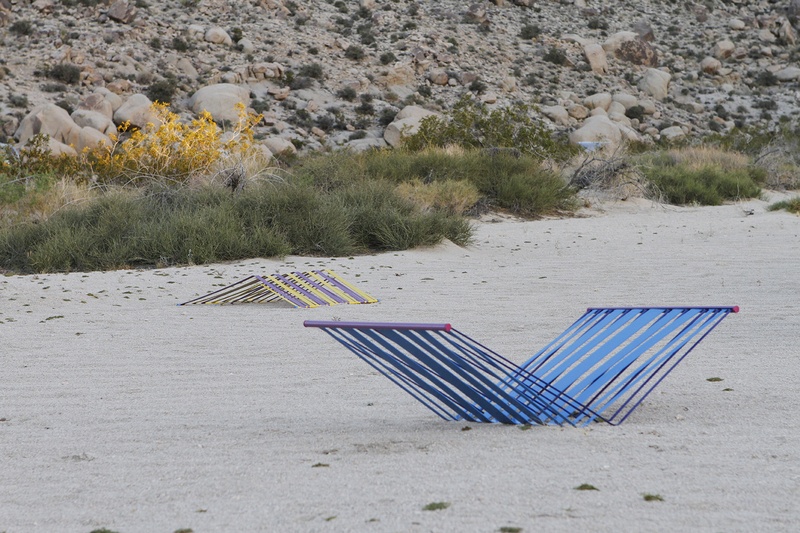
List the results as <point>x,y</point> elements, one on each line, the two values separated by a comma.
<point>333,73</point>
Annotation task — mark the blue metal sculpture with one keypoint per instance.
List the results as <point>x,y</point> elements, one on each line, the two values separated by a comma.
<point>598,369</point>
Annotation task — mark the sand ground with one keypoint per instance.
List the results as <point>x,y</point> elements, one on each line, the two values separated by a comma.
<point>119,409</point>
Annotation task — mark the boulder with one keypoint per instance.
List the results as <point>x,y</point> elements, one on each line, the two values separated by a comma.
<point>637,52</point>
<point>596,57</point>
<point>217,35</point>
<point>86,118</point>
<point>220,100</point>
<point>596,129</point>
<point>601,100</point>
<point>58,148</point>
<point>196,32</point>
<point>710,65</point>
<point>48,119</point>
<point>786,33</point>
<point>397,75</point>
<point>112,98</point>
<point>89,139</point>
<point>557,114</point>
<point>627,100</point>
<point>368,143</point>
<point>578,111</point>
<point>246,46</point>
<point>616,107</point>
<point>97,103</point>
<point>673,133</point>
<point>788,74</point>
<point>413,111</point>
<point>438,77</point>
<point>405,123</point>
<point>138,111</point>
<point>186,68</point>
<point>279,145</point>
<point>723,49</point>
<point>655,83</point>
<point>644,30</point>
<point>736,24</point>
<point>121,11</point>
<point>613,43</point>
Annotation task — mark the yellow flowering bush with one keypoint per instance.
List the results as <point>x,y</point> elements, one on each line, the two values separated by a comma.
<point>169,150</point>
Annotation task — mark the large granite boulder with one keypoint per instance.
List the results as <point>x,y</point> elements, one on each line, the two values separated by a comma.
<point>137,111</point>
<point>221,101</point>
<point>406,123</point>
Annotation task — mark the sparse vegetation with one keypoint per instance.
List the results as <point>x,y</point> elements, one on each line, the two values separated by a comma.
<point>162,90</point>
<point>704,176</point>
<point>354,52</point>
<point>471,124</point>
<point>65,73</point>
<point>314,70</point>
<point>347,93</point>
<point>556,56</point>
<point>530,31</point>
<point>21,27</point>
<point>436,506</point>
<point>387,58</point>
<point>792,205</point>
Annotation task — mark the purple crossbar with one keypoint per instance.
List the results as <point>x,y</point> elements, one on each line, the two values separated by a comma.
<point>733,308</point>
<point>375,325</point>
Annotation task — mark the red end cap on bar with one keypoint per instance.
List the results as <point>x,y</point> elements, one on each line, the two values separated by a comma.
<point>735,309</point>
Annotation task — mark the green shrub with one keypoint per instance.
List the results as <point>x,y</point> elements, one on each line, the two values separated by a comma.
<point>556,56</point>
<point>162,90</point>
<point>21,27</point>
<point>530,31</point>
<point>383,220</point>
<point>505,179</point>
<point>792,205</point>
<point>65,73</point>
<point>161,226</point>
<point>313,70</point>
<point>471,124</point>
<point>300,82</point>
<point>180,44</point>
<point>354,52</point>
<point>705,184</point>
<point>347,93</point>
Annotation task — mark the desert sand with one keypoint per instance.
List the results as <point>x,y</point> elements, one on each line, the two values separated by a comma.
<point>121,410</point>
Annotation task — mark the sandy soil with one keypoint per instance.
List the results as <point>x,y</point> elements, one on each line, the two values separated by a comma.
<point>119,409</point>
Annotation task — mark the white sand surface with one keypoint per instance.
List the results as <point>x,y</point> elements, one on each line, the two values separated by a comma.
<point>122,410</point>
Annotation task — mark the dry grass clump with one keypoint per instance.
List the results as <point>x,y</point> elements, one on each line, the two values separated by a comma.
<point>452,196</point>
<point>696,158</point>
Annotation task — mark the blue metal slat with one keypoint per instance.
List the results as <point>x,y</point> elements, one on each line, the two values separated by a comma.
<point>645,337</point>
